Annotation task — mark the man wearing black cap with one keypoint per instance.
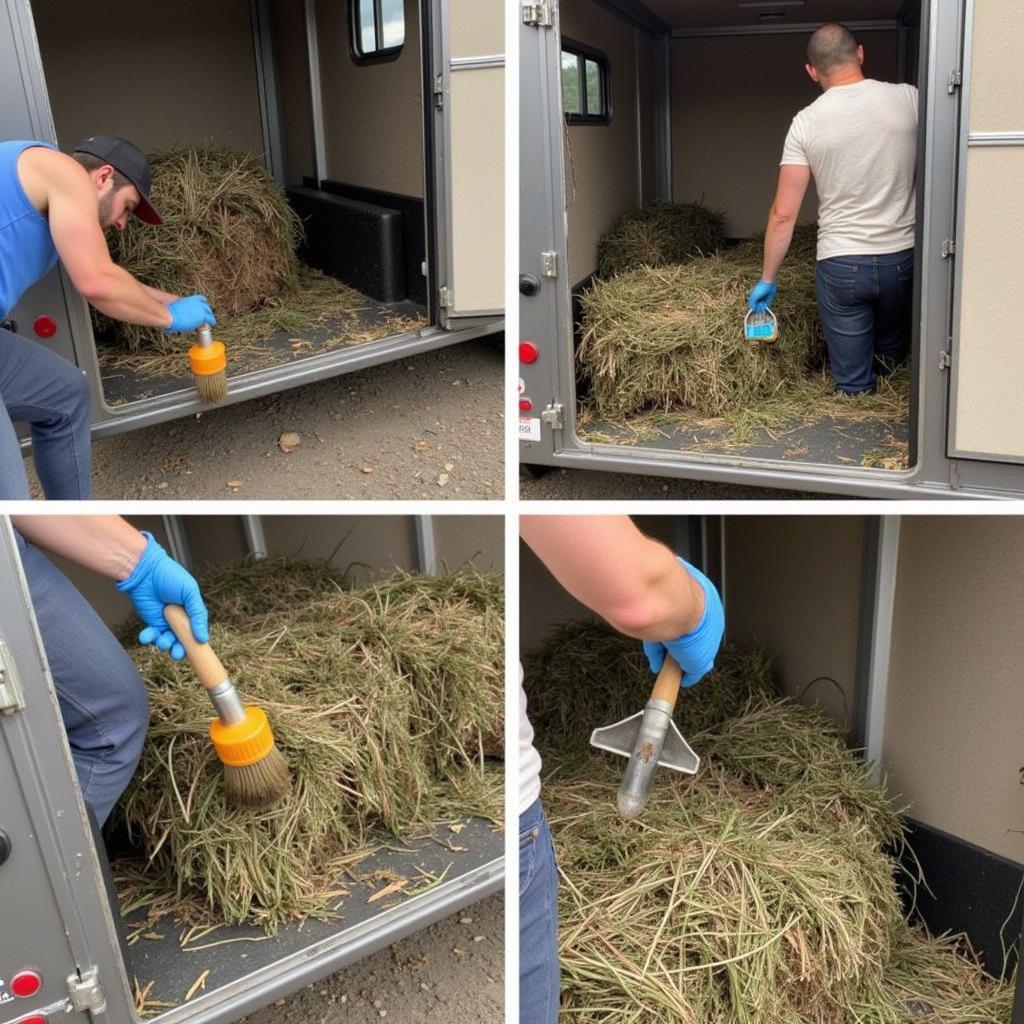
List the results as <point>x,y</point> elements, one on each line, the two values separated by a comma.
<point>54,206</point>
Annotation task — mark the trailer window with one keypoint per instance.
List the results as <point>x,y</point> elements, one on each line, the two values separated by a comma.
<point>377,29</point>
<point>584,85</point>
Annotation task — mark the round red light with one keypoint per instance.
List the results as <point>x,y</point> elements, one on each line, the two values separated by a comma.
<point>45,326</point>
<point>26,983</point>
<point>525,404</point>
<point>528,352</point>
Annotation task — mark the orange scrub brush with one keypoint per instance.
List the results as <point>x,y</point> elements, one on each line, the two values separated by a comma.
<point>208,359</point>
<point>256,774</point>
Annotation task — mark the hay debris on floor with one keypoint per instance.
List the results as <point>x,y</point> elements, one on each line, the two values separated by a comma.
<point>228,234</point>
<point>659,234</point>
<point>762,891</point>
<point>385,699</point>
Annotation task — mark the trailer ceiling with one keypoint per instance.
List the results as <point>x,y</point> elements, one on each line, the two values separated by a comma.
<point>689,14</point>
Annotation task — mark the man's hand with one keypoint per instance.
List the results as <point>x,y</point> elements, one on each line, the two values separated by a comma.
<point>761,296</point>
<point>694,651</point>
<point>156,581</point>
<point>188,314</point>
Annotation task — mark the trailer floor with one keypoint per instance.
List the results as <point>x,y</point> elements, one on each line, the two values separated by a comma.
<point>374,321</point>
<point>860,442</point>
<point>157,954</point>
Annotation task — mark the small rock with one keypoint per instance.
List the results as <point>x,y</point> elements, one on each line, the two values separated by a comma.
<point>478,938</point>
<point>449,466</point>
<point>162,486</point>
<point>289,442</point>
<point>382,1013</point>
<point>366,469</point>
<point>234,484</point>
<point>465,920</point>
<point>377,1004</point>
<point>442,480</point>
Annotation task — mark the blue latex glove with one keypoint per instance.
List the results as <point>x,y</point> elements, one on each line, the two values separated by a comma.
<point>694,652</point>
<point>762,295</point>
<point>156,581</point>
<point>189,314</point>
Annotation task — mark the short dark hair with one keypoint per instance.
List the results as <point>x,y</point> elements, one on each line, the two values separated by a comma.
<point>94,163</point>
<point>830,47</point>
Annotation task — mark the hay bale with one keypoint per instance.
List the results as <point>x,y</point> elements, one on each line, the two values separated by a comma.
<point>228,234</point>
<point>659,234</point>
<point>671,338</point>
<point>598,676</point>
<point>380,698</point>
<point>713,907</point>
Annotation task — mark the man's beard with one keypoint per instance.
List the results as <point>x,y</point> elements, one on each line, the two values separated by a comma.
<point>106,207</point>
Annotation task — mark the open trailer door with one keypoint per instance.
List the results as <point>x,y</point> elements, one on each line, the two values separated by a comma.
<point>986,363</point>
<point>469,94</point>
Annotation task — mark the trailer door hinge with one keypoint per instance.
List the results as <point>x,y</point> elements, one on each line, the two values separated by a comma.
<point>945,360</point>
<point>552,416</point>
<point>447,299</point>
<point>549,264</point>
<point>86,993</point>
<point>948,248</point>
<point>538,15</point>
<point>439,91</point>
<point>11,699</point>
<point>954,82</point>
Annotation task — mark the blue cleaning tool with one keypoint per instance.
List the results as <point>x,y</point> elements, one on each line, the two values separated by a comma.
<point>760,327</point>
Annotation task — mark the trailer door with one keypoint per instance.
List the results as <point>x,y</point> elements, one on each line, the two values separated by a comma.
<point>50,876</point>
<point>987,357</point>
<point>469,92</point>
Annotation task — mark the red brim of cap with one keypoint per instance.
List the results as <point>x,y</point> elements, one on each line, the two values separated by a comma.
<point>145,212</point>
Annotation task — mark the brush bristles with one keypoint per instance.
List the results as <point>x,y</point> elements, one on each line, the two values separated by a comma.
<point>261,785</point>
<point>211,387</point>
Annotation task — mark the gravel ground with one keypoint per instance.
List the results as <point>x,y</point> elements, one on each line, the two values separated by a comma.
<point>453,971</point>
<point>428,426</point>
<point>585,484</point>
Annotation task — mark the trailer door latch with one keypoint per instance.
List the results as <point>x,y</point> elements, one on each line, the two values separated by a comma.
<point>948,248</point>
<point>11,699</point>
<point>945,360</point>
<point>439,91</point>
<point>956,79</point>
<point>552,416</point>
<point>538,15</point>
<point>86,993</point>
<point>549,264</point>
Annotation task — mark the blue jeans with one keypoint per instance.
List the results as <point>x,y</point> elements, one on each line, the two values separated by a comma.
<point>865,304</point>
<point>538,920</point>
<point>102,696</point>
<point>42,389</point>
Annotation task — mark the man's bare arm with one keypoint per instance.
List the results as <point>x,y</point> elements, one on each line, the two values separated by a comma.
<point>632,581</point>
<point>789,197</point>
<point>164,297</point>
<point>72,210</point>
<point>105,544</point>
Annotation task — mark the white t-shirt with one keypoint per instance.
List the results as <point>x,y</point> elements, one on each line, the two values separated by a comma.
<point>860,142</point>
<point>529,759</point>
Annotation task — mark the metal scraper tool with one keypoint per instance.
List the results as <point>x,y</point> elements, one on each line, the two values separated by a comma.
<point>649,738</point>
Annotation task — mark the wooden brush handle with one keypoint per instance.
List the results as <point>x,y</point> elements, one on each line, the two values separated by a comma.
<point>666,686</point>
<point>205,663</point>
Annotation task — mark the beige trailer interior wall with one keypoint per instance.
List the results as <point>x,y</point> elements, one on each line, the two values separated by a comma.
<point>793,584</point>
<point>955,714</point>
<point>733,98</point>
<point>650,54</point>
<point>988,360</point>
<point>370,546</point>
<point>600,159</point>
<point>289,28</point>
<point>159,74</point>
<point>373,113</point>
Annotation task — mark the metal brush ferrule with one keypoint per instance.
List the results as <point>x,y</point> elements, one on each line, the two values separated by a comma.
<point>643,762</point>
<point>226,702</point>
<point>205,335</point>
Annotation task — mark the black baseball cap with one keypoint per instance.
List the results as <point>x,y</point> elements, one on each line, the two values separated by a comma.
<point>131,162</point>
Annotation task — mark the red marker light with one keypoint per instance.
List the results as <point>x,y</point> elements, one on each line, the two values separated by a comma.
<point>525,405</point>
<point>36,1018</point>
<point>528,352</point>
<point>26,983</point>
<point>45,326</point>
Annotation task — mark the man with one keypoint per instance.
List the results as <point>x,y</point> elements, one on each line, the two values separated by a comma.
<point>859,141</point>
<point>54,206</point>
<point>102,696</point>
<point>638,586</point>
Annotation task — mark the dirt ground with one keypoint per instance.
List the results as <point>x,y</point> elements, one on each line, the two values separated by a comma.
<point>453,971</point>
<point>585,484</point>
<point>428,426</point>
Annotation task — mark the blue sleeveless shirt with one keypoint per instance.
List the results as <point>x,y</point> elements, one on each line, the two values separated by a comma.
<point>27,251</point>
